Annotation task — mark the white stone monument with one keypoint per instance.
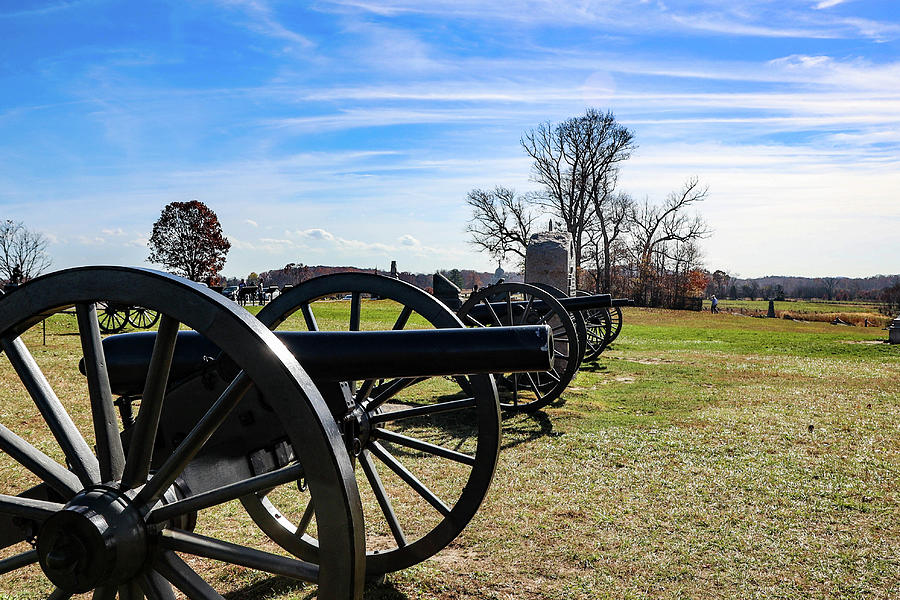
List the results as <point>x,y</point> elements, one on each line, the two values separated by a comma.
<point>550,259</point>
<point>894,331</point>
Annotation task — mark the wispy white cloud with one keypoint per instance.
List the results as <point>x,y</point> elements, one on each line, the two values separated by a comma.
<point>37,9</point>
<point>316,234</point>
<point>828,4</point>
<point>251,222</point>
<point>740,17</point>
<point>261,19</point>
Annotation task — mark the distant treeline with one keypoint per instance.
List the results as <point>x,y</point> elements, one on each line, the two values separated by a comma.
<point>294,273</point>
<point>828,288</point>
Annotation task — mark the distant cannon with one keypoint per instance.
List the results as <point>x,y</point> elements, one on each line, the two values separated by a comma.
<point>505,304</point>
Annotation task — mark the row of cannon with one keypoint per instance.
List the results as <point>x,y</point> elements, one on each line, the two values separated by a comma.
<point>357,452</point>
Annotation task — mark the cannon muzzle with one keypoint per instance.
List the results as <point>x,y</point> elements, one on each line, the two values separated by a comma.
<point>349,355</point>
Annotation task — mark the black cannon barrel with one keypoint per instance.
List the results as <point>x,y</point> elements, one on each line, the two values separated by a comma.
<point>351,355</point>
<point>580,303</point>
<point>622,302</point>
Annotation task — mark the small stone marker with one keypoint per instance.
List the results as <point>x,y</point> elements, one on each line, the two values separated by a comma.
<point>549,259</point>
<point>894,331</point>
<point>771,314</point>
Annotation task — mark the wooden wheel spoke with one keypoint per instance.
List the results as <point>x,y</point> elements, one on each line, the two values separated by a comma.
<point>368,467</point>
<point>472,321</point>
<point>364,390</point>
<point>110,453</point>
<point>308,513</point>
<point>355,309</point>
<point>137,467</point>
<point>48,470</point>
<point>106,592</point>
<point>130,591</point>
<point>411,480</point>
<point>486,301</point>
<point>309,317</point>
<point>402,320</point>
<point>191,445</point>
<point>76,450</point>
<point>534,385</point>
<point>225,493</point>
<point>28,508</point>
<point>58,594</point>
<point>417,444</point>
<point>207,547</point>
<point>170,566</point>
<point>527,310</point>
<point>18,561</point>
<point>418,411</point>
<point>155,587</point>
<point>545,317</point>
<point>386,391</point>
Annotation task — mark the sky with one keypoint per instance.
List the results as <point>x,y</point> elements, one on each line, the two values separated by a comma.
<point>349,132</point>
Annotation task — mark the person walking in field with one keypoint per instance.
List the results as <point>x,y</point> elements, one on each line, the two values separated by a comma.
<point>714,308</point>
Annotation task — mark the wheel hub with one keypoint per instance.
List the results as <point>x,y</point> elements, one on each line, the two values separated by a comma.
<point>98,538</point>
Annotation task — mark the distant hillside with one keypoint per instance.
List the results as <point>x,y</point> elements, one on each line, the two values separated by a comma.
<point>292,274</point>
<point>837,288</point>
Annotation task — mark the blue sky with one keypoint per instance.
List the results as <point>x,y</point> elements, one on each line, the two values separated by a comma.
<point>349,132</point>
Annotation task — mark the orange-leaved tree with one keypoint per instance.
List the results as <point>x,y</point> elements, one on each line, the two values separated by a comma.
<point>187,238</point>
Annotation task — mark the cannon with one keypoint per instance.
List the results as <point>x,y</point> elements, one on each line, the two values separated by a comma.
<point>93,525</point>
<point>226,412</point>
<point>114,316</point>
<point>598,318</point>
<point>429,423</point>
<point>604,325</point>
<point>506,304</point>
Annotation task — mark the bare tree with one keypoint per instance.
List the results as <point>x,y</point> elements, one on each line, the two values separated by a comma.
<point>22,251</point>
<point>501,221</point>
<point>654,227</point>
<point>570,160</point>
<point>829,283</point>
<point>607,226</point>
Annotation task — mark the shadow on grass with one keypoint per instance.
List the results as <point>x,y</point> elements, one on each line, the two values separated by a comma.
<point>522,428</point>
<point>272,587</point>
<point>282,586</point>
<point>593,367</point>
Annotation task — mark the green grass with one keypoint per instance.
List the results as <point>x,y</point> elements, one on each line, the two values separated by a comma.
<point>810,306</point>
<point>702,456</point>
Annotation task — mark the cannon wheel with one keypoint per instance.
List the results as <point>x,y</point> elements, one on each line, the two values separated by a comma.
<point>463,473</point>
<point>142,318</point>
<point>599,328</point>
<point>578,320</point>
<point>615,314</point>
<point>94,525</point>
<point>112,316</point>
<point>528,392</point>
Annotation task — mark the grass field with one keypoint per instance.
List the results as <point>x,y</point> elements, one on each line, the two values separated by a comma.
<point>855,313</point>
<point>702,456</point>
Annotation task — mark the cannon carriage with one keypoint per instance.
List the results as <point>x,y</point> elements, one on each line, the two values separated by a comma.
<point>114,317</point>
<point>579,334</point>
<point>226,413</point>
